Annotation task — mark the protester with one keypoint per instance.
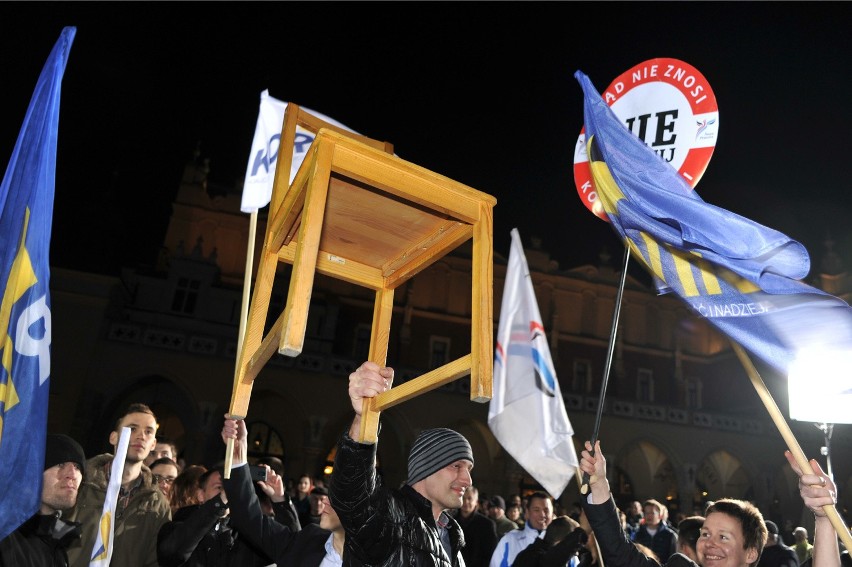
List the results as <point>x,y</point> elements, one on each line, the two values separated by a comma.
<point>409,526</point>
<point>733,533</point>
<point>200,535</point>
<point>561,542</point>
<point>42,540</point>
<point>184,491</point>
<point>514,513</point>
<point>497,512</point>
<point>163,449</point>
<point>776,553</point>
<point>539,514</point>
<point>302,499</point>
<point>480,533</point>
<point>688,531</point>
<point>655,532</point>
<point>141,509</point>
<point>635,516</point>
<point>313,546</point>
<point>164,472</point>
<point>802,546</point>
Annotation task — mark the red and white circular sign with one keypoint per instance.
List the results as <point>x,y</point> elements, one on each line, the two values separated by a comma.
<point>670,106</point>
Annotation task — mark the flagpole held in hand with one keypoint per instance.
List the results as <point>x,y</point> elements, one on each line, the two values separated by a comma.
<point>787,434</point>
<point>584,487</point>
<point>229,449</point>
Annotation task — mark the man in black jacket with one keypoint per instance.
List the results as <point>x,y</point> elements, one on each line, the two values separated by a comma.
<point>480,532</point>
<point>776,553</point>
<point>307,547</point>
<point>42,540</point>
<point>409,526</point>
<point>654,532</point>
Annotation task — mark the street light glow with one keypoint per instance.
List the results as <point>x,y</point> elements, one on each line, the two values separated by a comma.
<point>820,386</point>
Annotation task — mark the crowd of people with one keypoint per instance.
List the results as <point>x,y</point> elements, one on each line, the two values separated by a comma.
<point>173,515</point>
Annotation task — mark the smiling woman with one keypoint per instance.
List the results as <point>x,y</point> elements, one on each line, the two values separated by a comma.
<point>733,534</point>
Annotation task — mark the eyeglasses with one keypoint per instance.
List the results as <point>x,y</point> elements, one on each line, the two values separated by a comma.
<point>159,479</point>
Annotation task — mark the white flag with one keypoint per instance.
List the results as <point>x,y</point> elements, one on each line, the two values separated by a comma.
<point>102,551</point>
<point>526,412</point>
<point>260,174</point>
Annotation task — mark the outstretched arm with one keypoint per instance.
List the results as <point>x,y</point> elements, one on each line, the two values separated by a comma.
<point>617,549</point>
<point>818,490</point>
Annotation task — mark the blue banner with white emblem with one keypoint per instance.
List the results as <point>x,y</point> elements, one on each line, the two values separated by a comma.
<point>26,215</point>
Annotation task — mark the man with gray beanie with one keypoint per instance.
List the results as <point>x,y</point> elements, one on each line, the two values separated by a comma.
<point>409,526</point>
<point>43,538</point>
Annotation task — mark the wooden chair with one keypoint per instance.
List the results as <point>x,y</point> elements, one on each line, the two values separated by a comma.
<point>358,213</point>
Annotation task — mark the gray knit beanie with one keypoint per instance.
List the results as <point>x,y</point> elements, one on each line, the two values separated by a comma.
<point>433,450</point>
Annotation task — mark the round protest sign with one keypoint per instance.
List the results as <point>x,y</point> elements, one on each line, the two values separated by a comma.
<point>670,106</point>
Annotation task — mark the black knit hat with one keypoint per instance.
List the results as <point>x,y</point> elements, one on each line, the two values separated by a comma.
<point>433,450</point>
<point>62,449</point>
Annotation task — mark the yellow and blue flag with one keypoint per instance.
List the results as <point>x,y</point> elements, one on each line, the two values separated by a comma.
<point>26,215</point>
<point>743,277</point>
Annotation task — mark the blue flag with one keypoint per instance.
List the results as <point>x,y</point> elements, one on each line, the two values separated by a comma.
<point>741,276</point>
<point>26,214</point>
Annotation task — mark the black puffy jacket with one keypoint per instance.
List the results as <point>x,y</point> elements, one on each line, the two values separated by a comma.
<point>39,542</point>
<point>386,527</point>
<point>201,535</point>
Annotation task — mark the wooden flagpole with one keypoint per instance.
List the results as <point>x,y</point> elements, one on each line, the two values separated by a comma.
<point>787,434</point>
<point>229,450</point>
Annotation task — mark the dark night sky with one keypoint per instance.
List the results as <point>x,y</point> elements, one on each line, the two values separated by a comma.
<point>480,92</point>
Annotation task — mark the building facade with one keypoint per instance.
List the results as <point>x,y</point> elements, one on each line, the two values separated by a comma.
<point>681,421</point>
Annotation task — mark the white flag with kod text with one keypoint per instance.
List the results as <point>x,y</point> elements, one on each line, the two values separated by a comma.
<point>260,174</point>
<point>102,551</point>
<point>526,413</point>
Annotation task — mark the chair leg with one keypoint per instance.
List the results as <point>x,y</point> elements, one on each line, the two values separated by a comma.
<point>481,315</point>
<point>305,263</point>
<point>380,335</point>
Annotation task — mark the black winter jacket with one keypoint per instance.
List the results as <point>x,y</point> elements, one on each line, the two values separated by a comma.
<point>39,542</point>
<point>200,536</point>
<point>617,549</point>
<point>385,527</point>
<point>285,544</point>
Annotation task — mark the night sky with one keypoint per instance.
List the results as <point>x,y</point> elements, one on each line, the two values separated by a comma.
<point>481,92</point>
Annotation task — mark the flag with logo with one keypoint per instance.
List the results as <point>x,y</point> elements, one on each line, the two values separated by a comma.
<point>743,277</point>
<point>26,215</point>
<point>260,173</point>
<point>102,550</point>
<point>526,412</point>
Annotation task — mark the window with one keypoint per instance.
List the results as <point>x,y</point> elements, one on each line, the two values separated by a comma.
<point>263,440</point>
<point>439,351</point>
<point>186,295</point>
<point>692,393</point>
<point>582,378</point>
<point>645,385</point>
